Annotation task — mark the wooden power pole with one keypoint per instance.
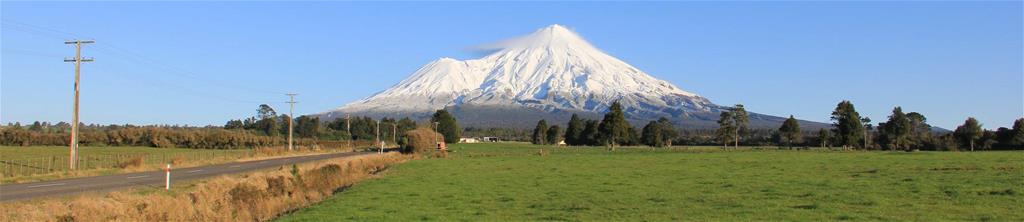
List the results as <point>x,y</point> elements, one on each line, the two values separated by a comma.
<point>291,108</point>
<point>380,142</point>
<point>73,147</point>
<point>348,128</point>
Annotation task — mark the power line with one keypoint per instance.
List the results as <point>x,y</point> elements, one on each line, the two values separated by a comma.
<point>175,88</point>
<point>179,71</point>
<point>29,53</point>
<point>116,51</point>
<point>22,24</point>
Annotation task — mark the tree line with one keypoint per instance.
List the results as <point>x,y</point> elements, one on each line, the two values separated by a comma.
<point>265,129</point>
<point>357,128</point>
<point>849,130</point>
<point>911,131</point>
<point>129,135</point>
<point>613,130</point>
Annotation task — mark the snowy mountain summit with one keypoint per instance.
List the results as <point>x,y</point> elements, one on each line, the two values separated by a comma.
<point>552,70</point>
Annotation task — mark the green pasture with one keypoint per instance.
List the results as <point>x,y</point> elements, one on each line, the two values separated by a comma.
<point>516,182</point>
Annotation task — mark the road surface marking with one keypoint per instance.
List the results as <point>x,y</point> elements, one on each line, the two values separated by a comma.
<point>134,177</point>
<point>235,166</point>
<point>193,171</point>
<point>46,185</point>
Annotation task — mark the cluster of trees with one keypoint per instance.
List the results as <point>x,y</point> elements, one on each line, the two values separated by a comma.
<point>508,134</point>
<point>900,131</point>
<point>445,124</point>
<point>267,128</point>
<point>732,124</point>
<point>908,131</point>
<point>268,123</point>
<point>659,133</point>
<point>972,134</point>
<point>542,134</point>
<point>613,130</point>
<point>128,135</point>
<point>365,128</point>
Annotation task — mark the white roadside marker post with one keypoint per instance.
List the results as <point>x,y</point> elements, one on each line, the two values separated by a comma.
<point>167,185</point>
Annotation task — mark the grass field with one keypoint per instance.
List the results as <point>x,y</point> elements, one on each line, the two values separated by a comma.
<point>18,152</point>
<point>33,163</point>
<point>501,182</point>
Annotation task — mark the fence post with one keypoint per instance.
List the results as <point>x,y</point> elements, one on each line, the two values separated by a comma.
<point>167,185</point>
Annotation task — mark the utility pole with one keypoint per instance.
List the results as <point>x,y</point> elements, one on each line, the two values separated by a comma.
<point>867,126</point>
<point>348,128</point>
<point>73,149</point>
<point>379,142</point>
<point>394,133</point>
<point>436,128</point>
<point>291,108</point>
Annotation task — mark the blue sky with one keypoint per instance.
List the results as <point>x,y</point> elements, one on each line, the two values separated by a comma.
<point>203,63</point>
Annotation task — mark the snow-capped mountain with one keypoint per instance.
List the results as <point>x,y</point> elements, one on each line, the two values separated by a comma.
<point>552,71</point>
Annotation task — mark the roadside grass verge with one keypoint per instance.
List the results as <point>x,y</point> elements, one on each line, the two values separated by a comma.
<point>42,163</point>
<point>256,196</point>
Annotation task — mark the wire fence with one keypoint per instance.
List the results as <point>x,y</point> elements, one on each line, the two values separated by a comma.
<point>29,166</point>
<point>51,164</point>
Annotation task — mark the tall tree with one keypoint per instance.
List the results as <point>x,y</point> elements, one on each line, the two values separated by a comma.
<point>265,111</point>
<point>651,135</point>
<point>867,131</point>
<point>267,123</point>
<point>405,124</point>
<point>591,134</point>
<point>36,126</point>
<point>668,131</point>
<point>307,126</point>
<point>920,131</point>
<point>574,130</point>
<point>1017,134</point>
<point>848,127</point>
<point>824,136</point>
<point>898,127</point>
<point>969,132</point>
<point>614,129</point>
<point>739,114</point>
<point>988,139</point>
<point>554,135</point>
<point>233,124</point>
<point>726,128</point>
<point>447,126</point>
<point>790,132</point>
<point>634,137</point>
<point>540,133</point>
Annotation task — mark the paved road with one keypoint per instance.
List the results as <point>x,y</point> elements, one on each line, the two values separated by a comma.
<point>153,178</point>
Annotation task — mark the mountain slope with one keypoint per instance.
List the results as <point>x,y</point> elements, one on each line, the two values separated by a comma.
<point>550,73</point>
